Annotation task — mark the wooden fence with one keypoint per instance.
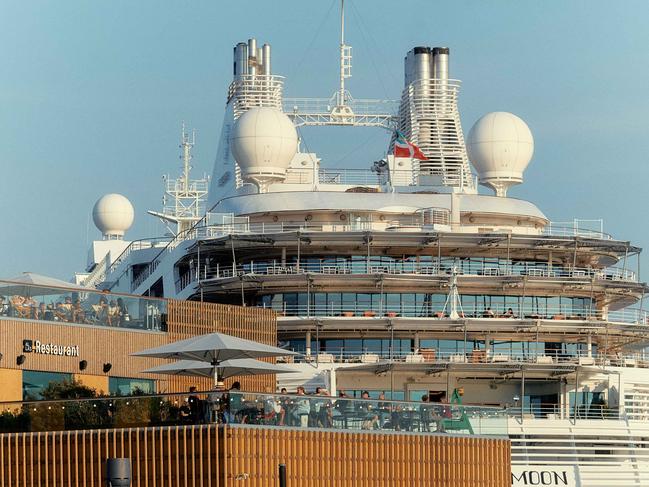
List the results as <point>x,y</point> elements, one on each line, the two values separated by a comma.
<point>213,456</point>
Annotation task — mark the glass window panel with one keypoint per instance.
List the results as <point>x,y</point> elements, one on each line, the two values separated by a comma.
<point>34,382</point>
<point>124,386</point>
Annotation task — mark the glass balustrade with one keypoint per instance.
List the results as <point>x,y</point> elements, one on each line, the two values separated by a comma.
<point>81,307</point>
<point>250,408</point>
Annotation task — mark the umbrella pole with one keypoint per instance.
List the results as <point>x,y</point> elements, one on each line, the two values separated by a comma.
<point>217,380</point>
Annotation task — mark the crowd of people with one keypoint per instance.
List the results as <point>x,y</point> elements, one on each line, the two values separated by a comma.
<point>317,410</point>
<point>69,310</point>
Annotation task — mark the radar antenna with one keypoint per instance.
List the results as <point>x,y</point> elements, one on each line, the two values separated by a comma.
<point>187,195</point>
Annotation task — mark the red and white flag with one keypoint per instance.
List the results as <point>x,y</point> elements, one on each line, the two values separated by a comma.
<point>404,148</point>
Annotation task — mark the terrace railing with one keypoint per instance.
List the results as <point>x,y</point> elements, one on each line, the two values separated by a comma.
<point>250,408</point>
<point>81,307</point>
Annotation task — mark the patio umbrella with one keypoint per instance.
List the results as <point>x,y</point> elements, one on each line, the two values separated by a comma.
<point>227,368</point>
<point>30,284</point>
<point>214,348</point>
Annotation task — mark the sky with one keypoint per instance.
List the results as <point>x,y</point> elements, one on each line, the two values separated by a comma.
<point>92,96</point>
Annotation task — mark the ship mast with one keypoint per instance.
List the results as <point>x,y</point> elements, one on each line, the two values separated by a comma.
<point>345,59</point>
<point>187,196</point>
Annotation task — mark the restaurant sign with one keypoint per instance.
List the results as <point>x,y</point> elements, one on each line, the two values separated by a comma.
<point>36,346</point>
<point>526,475</point>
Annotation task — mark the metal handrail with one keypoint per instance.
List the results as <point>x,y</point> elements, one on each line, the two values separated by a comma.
<point>477,356</point>
<point>536,269</point>
<point>430,310</point>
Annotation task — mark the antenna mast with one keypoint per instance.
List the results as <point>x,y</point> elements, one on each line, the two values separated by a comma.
<point>187,196</point>
<point>345,58</point>
<point>186,145</point>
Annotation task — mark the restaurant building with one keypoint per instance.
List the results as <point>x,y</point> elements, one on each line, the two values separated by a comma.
<point>77,336</point>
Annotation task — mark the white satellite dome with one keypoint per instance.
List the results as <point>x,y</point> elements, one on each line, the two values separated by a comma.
<point>113,214</point>
<point>500,146</point>
<point>263,142</point>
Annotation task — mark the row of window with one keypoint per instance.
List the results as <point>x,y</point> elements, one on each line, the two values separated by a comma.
<point>34,382</point>
<point>420,304</point>
<point>355,346</point>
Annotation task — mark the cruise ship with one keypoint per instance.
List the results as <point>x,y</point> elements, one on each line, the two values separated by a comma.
<point>400,277</point>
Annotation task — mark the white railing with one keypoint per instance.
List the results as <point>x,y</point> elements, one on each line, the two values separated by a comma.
<point>414,222</point>
<point>558,314</point>
<point>535,270</point>
<point>577,228</point>
<point>479,356</point>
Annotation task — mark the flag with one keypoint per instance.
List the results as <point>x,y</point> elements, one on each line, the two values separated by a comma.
<point>405,148</point>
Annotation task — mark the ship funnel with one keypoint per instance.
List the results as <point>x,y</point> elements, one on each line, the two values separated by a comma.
<point>252,56</point>
<point>266,59</point>
<point>430,119</point>
<point>440,62</point>
<point>241,59</point>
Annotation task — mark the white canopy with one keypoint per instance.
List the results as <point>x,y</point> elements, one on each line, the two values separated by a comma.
<point>227,368</point>
<point>213,348</point>
<point>30,284</point>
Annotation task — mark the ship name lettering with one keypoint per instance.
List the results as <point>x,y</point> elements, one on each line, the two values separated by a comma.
<point>542,477</point>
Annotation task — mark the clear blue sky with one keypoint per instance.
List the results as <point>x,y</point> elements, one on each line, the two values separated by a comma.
<point>92,94</point>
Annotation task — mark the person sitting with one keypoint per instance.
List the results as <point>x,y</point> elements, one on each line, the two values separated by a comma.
<point>124,317</point>
<point>113,313</point>
<point>18,308</point>
<point>4,307</point>
<point>509,313</point>
<point>78,313</point>
<point>488,313</point>
<point>49,313</point>
<point>67,307</point>
<point>367,409</point>
<point>101,311</point>
<point>40,312</point>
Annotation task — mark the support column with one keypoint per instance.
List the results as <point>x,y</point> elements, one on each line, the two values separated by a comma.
<point>589,346</point>
<point>308,343</point>
<point>283,256</point>
<point>416,344</point>
<point>522,392</point>
<point>332,382</point>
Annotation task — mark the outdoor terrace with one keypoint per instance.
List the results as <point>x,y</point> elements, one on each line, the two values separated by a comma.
<point>255,409</point>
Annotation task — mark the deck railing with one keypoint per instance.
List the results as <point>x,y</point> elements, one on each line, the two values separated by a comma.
<point>252,408</point>
<point>430,357</point>
<point>443,268</point>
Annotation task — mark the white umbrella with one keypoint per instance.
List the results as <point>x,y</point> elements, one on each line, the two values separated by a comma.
<point>30,284</point>
<point>227,368</point>
<point>214,348</point>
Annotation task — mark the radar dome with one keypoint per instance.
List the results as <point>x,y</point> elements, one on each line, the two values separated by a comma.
<point>500,146</point>
<point>113,215</point>
<point>263,142</point>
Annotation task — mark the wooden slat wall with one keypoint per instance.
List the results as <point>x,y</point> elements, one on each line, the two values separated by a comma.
<point>323,458</point>
<point>99,345</point>
<point>209,456</point>
<point>190,318</point>
<point>160,457</point>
